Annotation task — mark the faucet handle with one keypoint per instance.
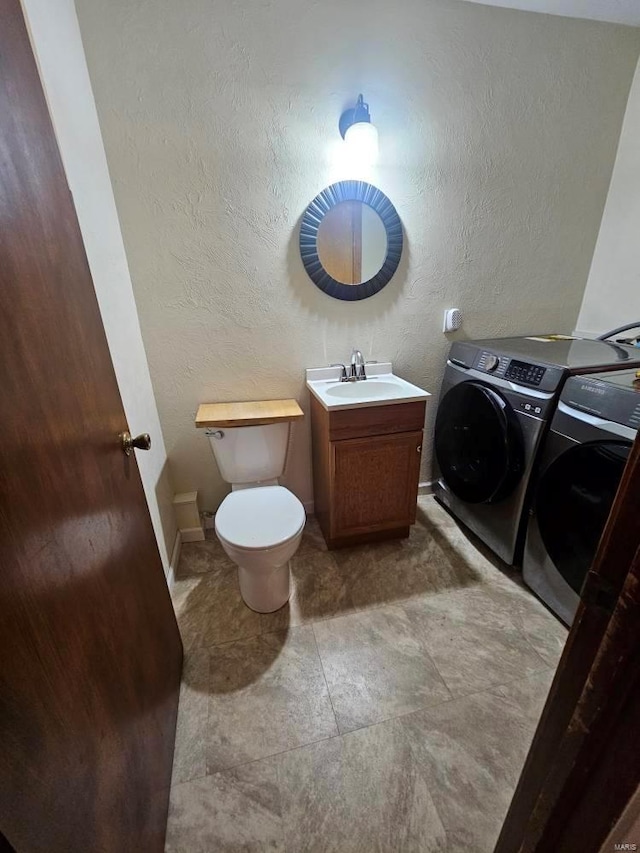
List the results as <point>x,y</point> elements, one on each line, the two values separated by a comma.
<point>344,376</point>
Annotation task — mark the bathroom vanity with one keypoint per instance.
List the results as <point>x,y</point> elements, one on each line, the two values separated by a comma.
<point>366,447</point>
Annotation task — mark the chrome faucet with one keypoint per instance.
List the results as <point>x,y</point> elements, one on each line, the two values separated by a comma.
<point>357,366</point>
<point>344,376</point>
<point>357,370</point>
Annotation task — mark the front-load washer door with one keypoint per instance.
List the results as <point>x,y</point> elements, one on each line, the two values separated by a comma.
<point>478,443</point>
<point>573,500</point>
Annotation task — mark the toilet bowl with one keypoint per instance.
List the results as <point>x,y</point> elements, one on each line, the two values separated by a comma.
<point>260,523</point>
<point>260,528</point>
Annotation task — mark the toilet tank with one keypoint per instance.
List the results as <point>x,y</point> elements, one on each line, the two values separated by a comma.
<point>250,454</point>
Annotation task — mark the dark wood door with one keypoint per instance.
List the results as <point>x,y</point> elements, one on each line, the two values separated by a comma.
<point>90,654</point>
<point>375,482</point>
<point>583,767</point>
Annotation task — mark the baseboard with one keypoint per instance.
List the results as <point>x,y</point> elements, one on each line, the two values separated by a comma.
<point>426,488</point>
<point>175,559</point>
<point>192,534</point>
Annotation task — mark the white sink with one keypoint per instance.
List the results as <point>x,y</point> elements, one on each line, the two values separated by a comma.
<point>382,387</point>
<point>362,390</point>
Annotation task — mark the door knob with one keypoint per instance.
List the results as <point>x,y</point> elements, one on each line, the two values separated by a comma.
<point>141,442</point>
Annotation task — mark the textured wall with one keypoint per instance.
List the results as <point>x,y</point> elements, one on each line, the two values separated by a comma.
<point>612,297</point>
<point>617,11</point>
<point>498,132</point>
<point>55,37</point>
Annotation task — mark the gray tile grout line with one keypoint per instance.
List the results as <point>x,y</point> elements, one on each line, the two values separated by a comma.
<point>526,639</point>
<point>400,602</point>
<point>452,698</point>
<point>324,675</point>
<point>425,651</point>
<point>438,704</point>
<point>432,661</point>
<point>261,758</point>
<point>358,611</point>
<point>340,734</point>
<point>533,648</point>
<point>484,587</point>
<point>206,739</point>
<point>183,683</point>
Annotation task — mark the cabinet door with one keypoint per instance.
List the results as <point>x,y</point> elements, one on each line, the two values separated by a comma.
<point>375,482</point>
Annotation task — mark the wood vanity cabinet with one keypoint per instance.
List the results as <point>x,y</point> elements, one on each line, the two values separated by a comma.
<point>366,465</point>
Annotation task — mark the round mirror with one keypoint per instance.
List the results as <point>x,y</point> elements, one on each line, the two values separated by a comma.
<point>351,240</point>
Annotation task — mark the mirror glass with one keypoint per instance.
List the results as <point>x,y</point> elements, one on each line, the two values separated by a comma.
<point>352,242</point>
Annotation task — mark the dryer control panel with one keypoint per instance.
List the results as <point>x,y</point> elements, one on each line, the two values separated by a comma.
<point>612,397</point>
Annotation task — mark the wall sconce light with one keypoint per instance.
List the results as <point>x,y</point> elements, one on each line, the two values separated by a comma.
<point>359,133</point>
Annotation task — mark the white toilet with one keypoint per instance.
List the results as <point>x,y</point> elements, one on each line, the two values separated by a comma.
<point>260,523</point>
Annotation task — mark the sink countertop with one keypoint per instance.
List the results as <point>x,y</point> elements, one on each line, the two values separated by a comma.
<point>381,388</point>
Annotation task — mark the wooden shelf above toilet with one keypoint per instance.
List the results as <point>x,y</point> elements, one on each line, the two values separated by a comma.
<point>254,413</point>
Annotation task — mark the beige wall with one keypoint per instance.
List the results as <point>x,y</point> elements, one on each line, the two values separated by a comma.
<point>618,11</point>
<point>57,45</point>
<point>498,131</point>
<point>612,297</point>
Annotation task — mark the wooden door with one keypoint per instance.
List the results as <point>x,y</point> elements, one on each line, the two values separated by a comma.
<point>583,767</point>
<point>340,242</point>
<point>375,482</point>
<point>90,653</point>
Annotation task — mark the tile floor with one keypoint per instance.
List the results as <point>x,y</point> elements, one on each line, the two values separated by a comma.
<point>388,707</point>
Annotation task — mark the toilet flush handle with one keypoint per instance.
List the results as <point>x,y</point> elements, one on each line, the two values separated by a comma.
<point>215,433</point>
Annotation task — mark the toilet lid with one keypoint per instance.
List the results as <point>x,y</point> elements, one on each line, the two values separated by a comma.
<point>260,517</point>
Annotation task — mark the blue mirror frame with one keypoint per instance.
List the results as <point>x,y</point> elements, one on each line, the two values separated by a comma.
<point>315,213</point>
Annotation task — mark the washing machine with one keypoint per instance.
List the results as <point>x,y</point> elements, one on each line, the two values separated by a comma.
<point>581,465</point>
<point>497,400</point>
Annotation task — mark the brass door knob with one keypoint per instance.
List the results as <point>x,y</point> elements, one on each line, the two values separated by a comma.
<point>141,442</point>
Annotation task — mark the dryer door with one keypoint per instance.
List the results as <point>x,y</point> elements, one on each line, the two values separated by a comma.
<point>573,500</point>
<point>478,443</point>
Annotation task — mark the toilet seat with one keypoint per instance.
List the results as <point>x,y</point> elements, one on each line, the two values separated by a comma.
<point>259,518</point>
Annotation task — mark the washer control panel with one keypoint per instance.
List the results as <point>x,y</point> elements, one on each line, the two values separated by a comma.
<point>489,362</point>
<point>524,373</point>
<point>532,407</point>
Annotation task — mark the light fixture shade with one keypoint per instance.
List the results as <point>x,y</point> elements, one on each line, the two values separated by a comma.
<point>362,140</point>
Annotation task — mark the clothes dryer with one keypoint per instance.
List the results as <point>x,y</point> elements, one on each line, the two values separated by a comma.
<point>498,397</point>
<point>581,465</point>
